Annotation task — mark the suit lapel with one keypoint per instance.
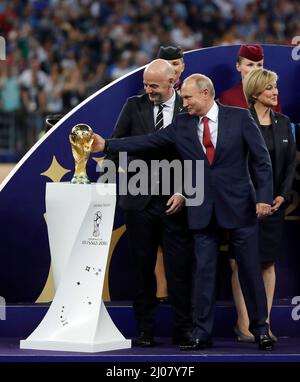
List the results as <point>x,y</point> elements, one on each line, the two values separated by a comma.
<point>146,115</point>
<point>254,115</point>
<point>195,137</point>
<point>275,130</point>
<point>276,136</point>
<point>178,108</point>
<point>223,131</point>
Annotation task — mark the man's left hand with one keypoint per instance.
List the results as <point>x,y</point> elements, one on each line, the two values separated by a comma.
<point>176,203</point>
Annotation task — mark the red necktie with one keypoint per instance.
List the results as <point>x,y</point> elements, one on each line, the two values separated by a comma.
<point>207,143</point>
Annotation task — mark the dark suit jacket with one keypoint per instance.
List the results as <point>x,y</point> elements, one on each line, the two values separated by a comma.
<point>228,189</point>
<point>136,118</point>
<point>285,154</point>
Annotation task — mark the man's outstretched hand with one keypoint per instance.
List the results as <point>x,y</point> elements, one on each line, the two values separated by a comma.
<point>98,144</point>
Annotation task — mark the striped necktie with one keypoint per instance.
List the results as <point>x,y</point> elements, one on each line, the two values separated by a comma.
<point>159,123</point>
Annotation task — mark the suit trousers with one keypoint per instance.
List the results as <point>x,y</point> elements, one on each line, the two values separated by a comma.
<point>147,229</point>
<point>244,242</point>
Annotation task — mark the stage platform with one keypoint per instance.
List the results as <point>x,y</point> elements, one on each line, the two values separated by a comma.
<point>21,320</point>
<point>223,350</point>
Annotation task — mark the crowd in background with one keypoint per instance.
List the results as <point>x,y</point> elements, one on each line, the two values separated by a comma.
<point>60,52</point>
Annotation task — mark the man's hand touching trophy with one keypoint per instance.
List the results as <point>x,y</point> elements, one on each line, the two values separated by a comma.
<point>81,139</point>
<point>98,144</point>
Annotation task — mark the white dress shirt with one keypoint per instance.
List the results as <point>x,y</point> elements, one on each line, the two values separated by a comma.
<point>168,110</point>
<point>212,116</point>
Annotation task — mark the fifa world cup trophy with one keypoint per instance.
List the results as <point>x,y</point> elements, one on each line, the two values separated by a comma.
<point>81,138</point>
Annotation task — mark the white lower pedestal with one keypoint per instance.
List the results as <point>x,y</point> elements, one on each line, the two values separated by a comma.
<point>80,221</point>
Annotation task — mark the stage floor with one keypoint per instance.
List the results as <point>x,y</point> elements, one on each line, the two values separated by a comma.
<point>223,350</point>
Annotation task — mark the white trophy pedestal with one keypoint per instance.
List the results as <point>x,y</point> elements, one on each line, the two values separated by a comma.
<point>80,221</point>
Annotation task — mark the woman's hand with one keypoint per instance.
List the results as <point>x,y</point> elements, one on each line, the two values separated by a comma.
<point>277,203</point>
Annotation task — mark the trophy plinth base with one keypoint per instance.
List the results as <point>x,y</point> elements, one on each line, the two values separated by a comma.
<point>75,346</point>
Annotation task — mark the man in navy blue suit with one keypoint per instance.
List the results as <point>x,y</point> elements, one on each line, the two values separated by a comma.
<point>223,137</point>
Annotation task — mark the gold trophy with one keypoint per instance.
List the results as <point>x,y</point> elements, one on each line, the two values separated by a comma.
<point>81,138</point>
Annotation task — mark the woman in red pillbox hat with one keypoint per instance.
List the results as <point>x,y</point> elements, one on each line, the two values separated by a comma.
<point>250,57</point>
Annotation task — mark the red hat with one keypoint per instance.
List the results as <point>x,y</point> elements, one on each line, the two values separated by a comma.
<point>251,52</point>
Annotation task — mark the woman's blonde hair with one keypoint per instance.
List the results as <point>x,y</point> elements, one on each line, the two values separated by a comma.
<point>256,82</point>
